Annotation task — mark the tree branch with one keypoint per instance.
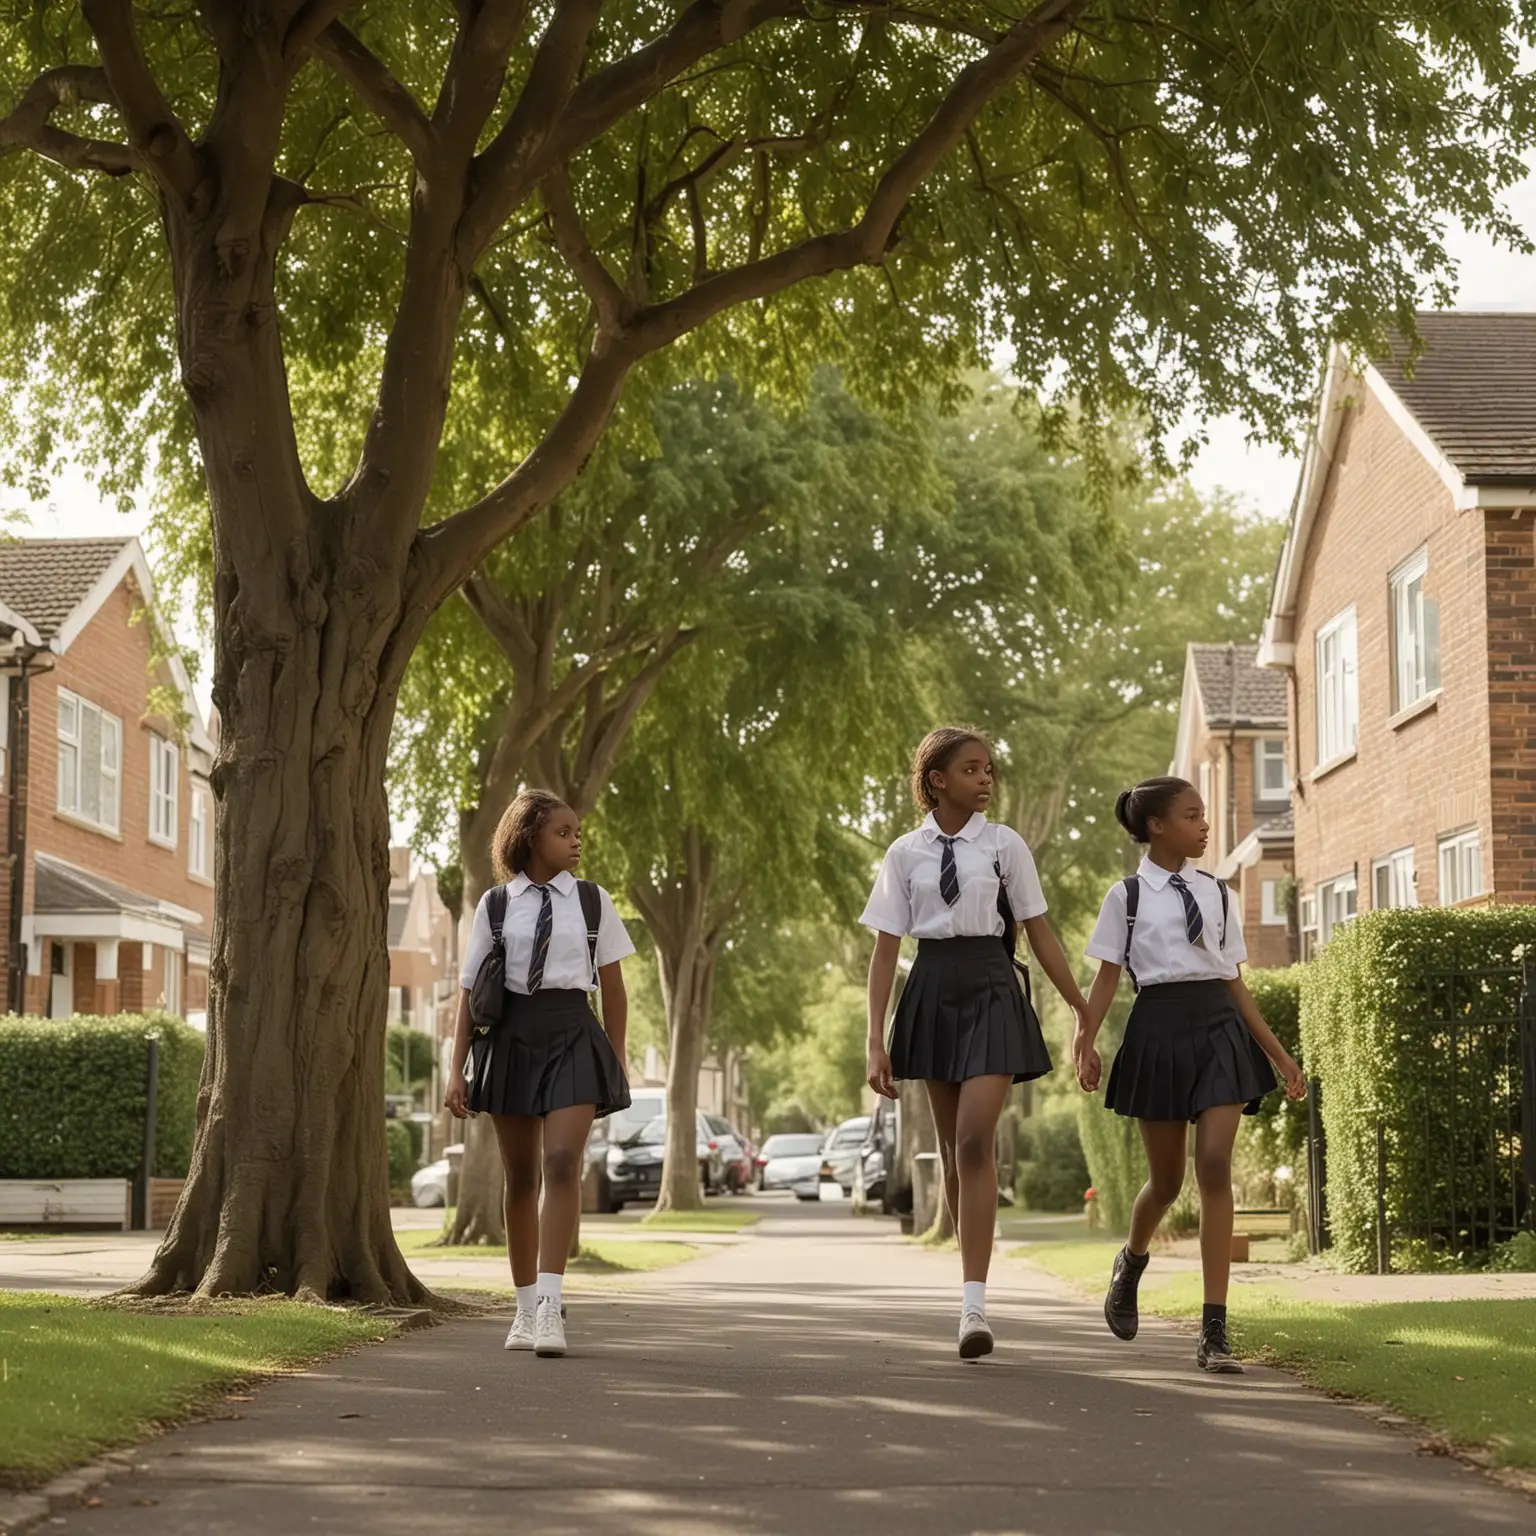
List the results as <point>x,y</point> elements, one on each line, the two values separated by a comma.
<point>351,59</point>
<point>29,125</point>
<point>153,131</point>
<point>598,283</point>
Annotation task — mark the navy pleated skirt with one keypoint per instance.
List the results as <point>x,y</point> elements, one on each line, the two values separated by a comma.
<point>1186,1050</point>
<point>962,1014</point>
<point>548,1052</point>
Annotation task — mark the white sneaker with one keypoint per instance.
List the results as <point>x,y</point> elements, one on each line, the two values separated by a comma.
<point>975,1336</point>
<point>520,1334</point>
<point>548,1329</point>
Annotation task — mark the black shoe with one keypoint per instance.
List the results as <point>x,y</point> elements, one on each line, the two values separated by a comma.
<point>1213,1354</point>
<point>1120,1304</point>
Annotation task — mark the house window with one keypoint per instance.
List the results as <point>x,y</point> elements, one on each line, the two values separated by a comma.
<point>1461,867</point>
<point>1273,783</point>
<point>163,761</point>
<point>170,992</point>
<point>1271,913</point>
<point>197,832</point>
<point>1415,634</point>
<point>1207,777</point>
<point>1307,913</point>
<point>1338,693</point>
<point>90,761</point>
<point>1337,903</point>
<point>1392,881</point>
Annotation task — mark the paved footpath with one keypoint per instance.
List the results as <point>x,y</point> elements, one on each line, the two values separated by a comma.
<point>802,1380</point>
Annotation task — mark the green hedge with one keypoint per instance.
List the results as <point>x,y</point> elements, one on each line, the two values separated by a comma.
<point>1407,1020</point>
<point>73,1094</point>
<point>1117,1164</point>
<point>1276,1137</point>
<point>401,1041</point>
<point>403,1138</point>
<point>1052,1173</point>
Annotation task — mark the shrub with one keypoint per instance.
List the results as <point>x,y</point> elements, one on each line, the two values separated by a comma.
<point>403,1138</point>
<point>1276,1137</point>
<point>401,1041</point>
<point>1408,1019</point>
<point>73,1096</point>
<point>1052,1172</point>
<point>1117,1165</point>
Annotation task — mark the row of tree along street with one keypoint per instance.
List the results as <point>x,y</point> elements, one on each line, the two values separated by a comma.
<point>366,286</point>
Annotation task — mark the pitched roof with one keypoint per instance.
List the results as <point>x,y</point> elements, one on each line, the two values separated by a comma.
<point>1278,829</point>
<point>45,580</point>
<point>1234,690</point>
<point>64,887</point>
<point>1473,390</point>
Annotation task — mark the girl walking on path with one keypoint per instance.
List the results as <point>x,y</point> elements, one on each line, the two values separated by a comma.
<point>962,886</point>
<point>1196,1049</point>
<point>528,1050</point>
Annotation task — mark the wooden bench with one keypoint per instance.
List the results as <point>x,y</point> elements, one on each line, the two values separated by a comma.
<point>66,1203</point>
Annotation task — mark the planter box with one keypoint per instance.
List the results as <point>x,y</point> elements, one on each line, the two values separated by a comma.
<point>163,1195</point>
<point>66,1202</point>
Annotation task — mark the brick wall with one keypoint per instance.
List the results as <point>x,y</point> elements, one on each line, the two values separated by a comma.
<point>1410,780</point>
<point>1268,944</point>
<point>1510,562</point>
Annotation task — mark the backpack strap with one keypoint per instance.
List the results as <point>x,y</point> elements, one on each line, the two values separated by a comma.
<point>592,912</point>
<point>496,911</point>
<point>1221,885</point>
<point>1132,884</point>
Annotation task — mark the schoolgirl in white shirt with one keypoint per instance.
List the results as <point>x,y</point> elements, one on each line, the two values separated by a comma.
<point>1196,1049</point>
<point>547,1068</point>
<point>962,887</point>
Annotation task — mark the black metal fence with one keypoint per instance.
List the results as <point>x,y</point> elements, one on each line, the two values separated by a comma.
<point>1455,1148</point>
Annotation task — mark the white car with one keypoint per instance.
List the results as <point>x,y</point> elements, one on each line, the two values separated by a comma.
<point>791,1161</point>
<point>429,1185</point>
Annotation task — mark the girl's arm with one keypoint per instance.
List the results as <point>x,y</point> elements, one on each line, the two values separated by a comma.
<point>1053,961</point>
<point>1084,1057</point>
<point>457,1088</point>
<point>615,1009</point>
<point>882,976</point>
<point>1285,1065</point>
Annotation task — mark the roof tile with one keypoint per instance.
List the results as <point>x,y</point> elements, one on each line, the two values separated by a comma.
<point>1260,691</point>
<point>45,580</point>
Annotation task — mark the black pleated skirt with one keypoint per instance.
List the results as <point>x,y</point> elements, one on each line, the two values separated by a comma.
<point>548,1052</point>
<point>1186,1049</point>
<point>963,1014</point>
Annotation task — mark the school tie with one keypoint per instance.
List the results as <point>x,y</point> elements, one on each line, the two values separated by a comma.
<point>541,932</point>
<point>949,876</point>
<point>1194,920</point>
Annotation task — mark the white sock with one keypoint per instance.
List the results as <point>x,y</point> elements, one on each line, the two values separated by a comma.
<point>549,1286</point>
<point>974,1297</point>
<point>527,1298</point>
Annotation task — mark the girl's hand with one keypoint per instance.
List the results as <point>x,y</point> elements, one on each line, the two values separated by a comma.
<point>1086,1060</point>
<point>453,1100</point>
<point>879,1075</point>
<point>1295,1079</point>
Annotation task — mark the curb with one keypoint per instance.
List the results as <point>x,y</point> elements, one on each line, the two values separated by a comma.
<point>67,1491</point>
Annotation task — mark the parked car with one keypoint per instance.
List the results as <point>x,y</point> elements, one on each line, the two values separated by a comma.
<point>429,1185</point>
<point>873,1180</point>
<point>840,1151</point>
<point>633,1164</point>
<point>645,1104</point>
<point>792,1161</point>
<point>735,1155</point>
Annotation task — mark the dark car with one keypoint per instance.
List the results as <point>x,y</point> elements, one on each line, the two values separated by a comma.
<point>877,1183</point>
<point>645,1104</point>
<point>633,1165</point>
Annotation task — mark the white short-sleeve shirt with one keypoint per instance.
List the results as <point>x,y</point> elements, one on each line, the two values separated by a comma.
<point>566,965</point>
<point>1160,948</point>
<point>906,899</point>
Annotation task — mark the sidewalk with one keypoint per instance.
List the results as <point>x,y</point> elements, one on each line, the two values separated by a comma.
<point>802,1379</point>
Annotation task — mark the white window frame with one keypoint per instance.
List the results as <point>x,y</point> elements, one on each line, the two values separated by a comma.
<point>1338,903</point>
<point>1415,634</point>
<point>1338,688</point>
<point>1269,752</point>
<point>197,831</point>
<point>1271,915</point>
<point>170,981</point>
<point>1460,861</point>
<point>1306,912</point>
<point>164,781</point>
<point>1392,882</point>
<point>109,768</point>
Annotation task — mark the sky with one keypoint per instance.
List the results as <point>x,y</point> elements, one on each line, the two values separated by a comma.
<point>1491,278</point>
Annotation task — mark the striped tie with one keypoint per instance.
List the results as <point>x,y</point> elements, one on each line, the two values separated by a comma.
<point>1194,921</point>
<point>949,876</point>
<point>541,932</point>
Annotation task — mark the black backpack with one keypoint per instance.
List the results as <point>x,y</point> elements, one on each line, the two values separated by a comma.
<point>487,996</point>
<point>1132,884</point>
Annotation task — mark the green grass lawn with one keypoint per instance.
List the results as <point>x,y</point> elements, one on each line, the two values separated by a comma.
<point>721,1220</point>
<point>77,1377</point>
<point>1465,1368</point>
<point>598,1257</point>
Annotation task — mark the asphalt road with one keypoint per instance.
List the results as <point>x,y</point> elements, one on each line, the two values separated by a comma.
<point>802,1380</point>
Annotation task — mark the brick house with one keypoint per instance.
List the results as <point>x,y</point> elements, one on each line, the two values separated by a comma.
<point>1231,745</point>
<point>106,814</point>
<point>423,950</point>
<point>1404,614</point>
